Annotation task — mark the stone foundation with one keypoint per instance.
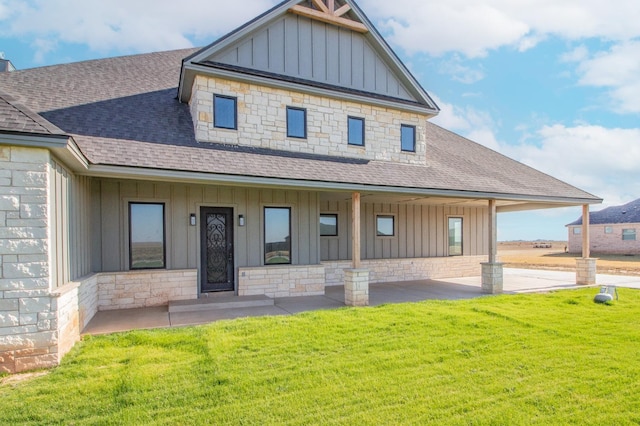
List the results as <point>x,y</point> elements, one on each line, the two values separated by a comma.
<point>492,278</point>
<point>139,289</point>
<point>390,270</point>
<point>281,281</point>
<point>356,287</point>
<point>586,271</point>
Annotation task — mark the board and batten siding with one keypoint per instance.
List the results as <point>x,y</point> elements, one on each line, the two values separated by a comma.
<point>110,210</point>
<point>421,231</point>
<point>70,228</point>
<point>302,48</point>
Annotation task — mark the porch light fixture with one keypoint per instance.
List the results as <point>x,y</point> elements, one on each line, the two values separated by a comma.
<point>192,219</point>
<point>241,220</point>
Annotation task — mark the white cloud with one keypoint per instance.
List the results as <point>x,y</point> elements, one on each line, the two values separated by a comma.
<point>578,54</point>
<point>467,121</point>
<point>475,27</point>
<point>461,73</point>
<point>618,69</point>
<point>600,160</point>
<point>124,25</point>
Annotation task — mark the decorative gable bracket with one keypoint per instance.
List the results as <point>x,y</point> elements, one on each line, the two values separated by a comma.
<point>329,14</point>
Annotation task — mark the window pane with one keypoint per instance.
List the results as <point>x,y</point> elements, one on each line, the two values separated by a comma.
<point>277,235</point>
<point>628,234</point>
<point>455,236</point>
<point>384,226</point>
<point>408,136</point>
<point>577,231</point>
<point>146,236</point>
<point>356,131</point>
<point>608,230</point>
<point>224,112</point>
<point>328,225</point>
<point>296,122</point>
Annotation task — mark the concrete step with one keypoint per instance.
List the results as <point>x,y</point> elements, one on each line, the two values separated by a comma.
<point>222,302</point>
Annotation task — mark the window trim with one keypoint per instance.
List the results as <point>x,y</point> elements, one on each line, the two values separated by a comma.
<point>337,227</point>
<point>164,234</point>
<point>304,111</point>
<point>362,122</point>
<point>264,234</point>
<point>394,223</point>
<point>408,126</point>
<point>235,112</point>
<point>461,235</point>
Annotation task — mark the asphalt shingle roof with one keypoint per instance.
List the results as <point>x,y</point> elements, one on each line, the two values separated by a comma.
<point>17,118</point>
<point>626,213</point>
<point>124,111</point>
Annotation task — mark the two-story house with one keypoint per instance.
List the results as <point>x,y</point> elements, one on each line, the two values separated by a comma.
<point>292,154</point>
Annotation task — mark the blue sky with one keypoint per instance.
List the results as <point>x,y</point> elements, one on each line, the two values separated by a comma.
<point>553,84</point>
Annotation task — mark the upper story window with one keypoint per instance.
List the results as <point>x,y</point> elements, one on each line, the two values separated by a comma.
<point>225,112</point>
<point>608,229</point>
<point>356,131</point>
<point>629,234</point>
<point>146,236</point>
<point>408,138</point>
<point>328,225</point>
<point>296,122</point>
<point>277,235</point>
<point>577,231</point>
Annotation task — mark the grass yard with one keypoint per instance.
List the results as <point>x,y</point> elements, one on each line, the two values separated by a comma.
<point>555,358</point>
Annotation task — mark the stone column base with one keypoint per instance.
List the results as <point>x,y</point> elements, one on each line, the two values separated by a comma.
<point>586,271</point>
<point>356,287</point>
<point>492,278</point>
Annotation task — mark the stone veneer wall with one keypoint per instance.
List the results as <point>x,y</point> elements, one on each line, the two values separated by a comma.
<point>282,281</point>
<point>606,243</point>
<point>390,270</point>
<point>138,289</point>
<point>28,326</point>
<point>262,122</point>
<point>76,303</point>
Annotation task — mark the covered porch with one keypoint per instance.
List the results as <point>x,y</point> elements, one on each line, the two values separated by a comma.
<point>516,281</point>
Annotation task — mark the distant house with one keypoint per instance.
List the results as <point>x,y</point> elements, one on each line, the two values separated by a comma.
<point>612,230</point>
<point>294,153</point>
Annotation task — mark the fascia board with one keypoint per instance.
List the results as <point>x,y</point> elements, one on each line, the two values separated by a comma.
<point>125,172</point>
<point>63,146</point>
<point>286,85</point>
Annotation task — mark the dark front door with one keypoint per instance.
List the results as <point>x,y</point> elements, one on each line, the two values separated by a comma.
<point>216,241</point>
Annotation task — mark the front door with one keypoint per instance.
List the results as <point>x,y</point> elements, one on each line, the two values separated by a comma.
<point>216,242</point>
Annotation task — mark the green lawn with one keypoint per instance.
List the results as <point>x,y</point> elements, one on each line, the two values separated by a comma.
<point>552,358</point>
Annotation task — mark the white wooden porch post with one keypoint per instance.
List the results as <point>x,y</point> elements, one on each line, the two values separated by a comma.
<point>356,279</point>
<point>586,266</point>
<point>492,276</point>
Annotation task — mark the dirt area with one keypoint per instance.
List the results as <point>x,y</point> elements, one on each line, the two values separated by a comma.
<point>524,254</point>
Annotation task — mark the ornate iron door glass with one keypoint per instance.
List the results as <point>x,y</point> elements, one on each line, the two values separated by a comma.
<point>217,249</point>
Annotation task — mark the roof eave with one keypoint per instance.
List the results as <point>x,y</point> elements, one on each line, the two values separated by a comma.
<point>128,172</point>
<point>62,146</point>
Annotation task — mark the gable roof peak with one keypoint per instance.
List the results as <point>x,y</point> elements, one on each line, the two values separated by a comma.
<point>300,44</point>
<point>331,13</point>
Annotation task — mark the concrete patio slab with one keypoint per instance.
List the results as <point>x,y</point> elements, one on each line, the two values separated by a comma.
<point>515,281</point>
